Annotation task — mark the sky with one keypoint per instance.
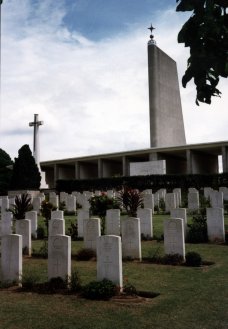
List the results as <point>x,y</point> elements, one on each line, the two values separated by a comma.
<point>82,66</point>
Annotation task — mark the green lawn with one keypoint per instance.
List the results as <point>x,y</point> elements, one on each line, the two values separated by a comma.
<point>189,297</point>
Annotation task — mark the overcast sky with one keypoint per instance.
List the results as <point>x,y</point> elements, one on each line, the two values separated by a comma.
<point>82,66</point>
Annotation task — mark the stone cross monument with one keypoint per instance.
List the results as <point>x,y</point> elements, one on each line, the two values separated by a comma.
<point>36,148</point>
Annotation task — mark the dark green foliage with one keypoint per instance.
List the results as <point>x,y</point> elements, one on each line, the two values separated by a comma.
<point>99,205</point>
<point>56,284</point>
<point>129,289</point>
<point>5,172</point>
<point>193,259</point>
<point>197,231</point>
<point>172,259</point>
<point>22,205</point>
<point>42,252</point>
<point>206,33</point>
<point>100,290</point>
<point>131,200</point>
<point>154,182</point>
<point>25,174</point>
<point>46,209</point>
<point>226,237</point>
<point>73,231</point>
<point>75,282</point>
<point>29,280</point>
<point>40,233</point>
<point>85,254</point>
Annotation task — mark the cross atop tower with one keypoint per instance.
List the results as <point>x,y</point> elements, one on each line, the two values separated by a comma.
<point>151,41</point>
<point>36,125</point>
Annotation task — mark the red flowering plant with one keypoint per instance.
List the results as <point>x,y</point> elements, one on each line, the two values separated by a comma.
<point>131,200</point>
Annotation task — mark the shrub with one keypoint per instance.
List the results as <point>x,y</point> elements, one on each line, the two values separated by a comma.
<point>40,232</point>
<point>197,231</point>
<point>75,282</point>
<point>172,259</point>
<point>55,284</point>
<point>42,252</point>
<point>46,209</point>
<point>22,205</point>
<point>25,173</point>
<point>99,204</point>
<point>85,254</point>
<point>193,259</point>
<point>131,200</point>
<point>129,289</point>
<point>29,280</point>
<point>104,290</point>
<point>73,231</point>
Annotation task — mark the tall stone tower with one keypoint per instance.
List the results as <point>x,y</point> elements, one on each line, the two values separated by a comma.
<point>166,119</point>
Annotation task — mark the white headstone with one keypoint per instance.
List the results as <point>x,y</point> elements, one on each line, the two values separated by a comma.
<point>71,203</point>
<point>177,192</point>
<point>174,236</point>
<point>11,257</point>
<point>63,196</point>
<point>146,223</point>
<point>180,213</point>
<point>57,214</point>
<point>216,199</point>
<point>215,224</point>
<point>225,192</point>
<point>207,191</point>
<point>23,227</point>
<point>193,201</point>
<point>112,222</point>
<point>110,194</point>
<point>36,204</point>
<point>85,203</point>
<point>148,201</point>
<point>109,259</point>
<point>170,201</point>
<point>56,226</point>
<point>81,215</point>
<point>92,230</point>
<point>6,223</point>
<point>54,200</point>
<point>5,204</point>
<point>32,215</point>
<point>59,256</point>
<point>131,238</point>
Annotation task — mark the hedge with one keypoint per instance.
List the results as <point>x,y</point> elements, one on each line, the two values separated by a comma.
<point>154,182</point>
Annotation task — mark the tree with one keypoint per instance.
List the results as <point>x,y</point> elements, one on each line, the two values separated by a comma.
<point>5,171</point>
<point>206,33</point>
<point>26,174</point>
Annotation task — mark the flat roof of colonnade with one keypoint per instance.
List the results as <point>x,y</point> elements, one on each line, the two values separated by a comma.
<point>213,148</point>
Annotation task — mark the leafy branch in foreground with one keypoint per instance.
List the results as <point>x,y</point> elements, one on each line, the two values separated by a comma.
<point>206,33</point>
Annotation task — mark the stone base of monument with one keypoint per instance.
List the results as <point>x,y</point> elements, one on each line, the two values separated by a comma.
<point>43,183</point>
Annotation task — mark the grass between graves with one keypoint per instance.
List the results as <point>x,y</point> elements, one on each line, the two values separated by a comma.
<point>189,297</point>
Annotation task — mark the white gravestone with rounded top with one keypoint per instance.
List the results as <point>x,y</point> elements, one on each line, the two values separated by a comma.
<point>57,214</point>
<point>56,226</point>
<point>193,201</point>
<point>23,227</point>
<point>59,256</point>
<point>174,236</point>
<point>131,238</point>
<point>215,224</point>
<point>112,222</point>
<point>81,215</point>
<point>109,259</point>
<point>6,223</point>
<point>180,213</point>
<point>32,215</point>
<point>92,230</point>
<point>146,221</point>
<point>11,257</point>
